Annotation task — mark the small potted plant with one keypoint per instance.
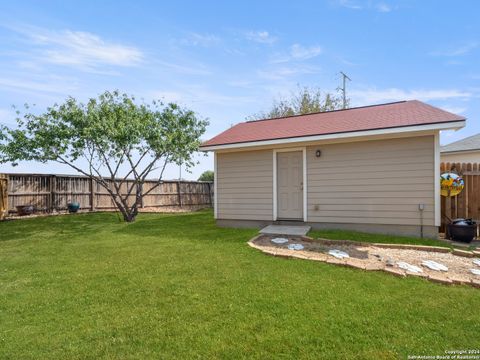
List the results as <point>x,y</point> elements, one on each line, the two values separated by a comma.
<point>23,210</point>
<point>73,206</point>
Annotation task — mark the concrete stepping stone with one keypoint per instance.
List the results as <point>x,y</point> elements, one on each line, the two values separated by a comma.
<point>433,265</point>
<point>390,262</point>
<point>289,230</point>
<point>295,247</point>
<point>475,271</point>
<point>476,262</point>
<point>339,254</point>
<point>409,267</point>
<point>279,240</point>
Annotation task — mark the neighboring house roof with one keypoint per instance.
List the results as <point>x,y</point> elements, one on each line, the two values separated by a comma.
<point>401,114</point>
<point>470,143</point>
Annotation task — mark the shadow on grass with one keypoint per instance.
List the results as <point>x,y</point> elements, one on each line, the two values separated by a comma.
<point>58,225</point>
<point>374,238</point>
<point>198,225</point>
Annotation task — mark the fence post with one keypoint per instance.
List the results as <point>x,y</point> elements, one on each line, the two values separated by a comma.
<point>93,195</point>
<point>210,193</point>
<point>53,184</point>
<point>142,204</point>
<point>3,196</point>
<point>179,185</point>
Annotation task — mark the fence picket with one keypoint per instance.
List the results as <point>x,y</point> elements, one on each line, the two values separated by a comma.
<point>474,193</point>
<point>461,199</point>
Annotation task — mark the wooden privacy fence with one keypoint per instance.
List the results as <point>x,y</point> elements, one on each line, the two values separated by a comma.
<point>50,193</point>
<point>3,196</point>
<point>467,203</point>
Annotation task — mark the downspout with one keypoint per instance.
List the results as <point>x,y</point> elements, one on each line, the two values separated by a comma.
<point>421,207</point>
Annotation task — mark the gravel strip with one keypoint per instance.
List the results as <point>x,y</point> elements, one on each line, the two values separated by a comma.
<point>371,257</point>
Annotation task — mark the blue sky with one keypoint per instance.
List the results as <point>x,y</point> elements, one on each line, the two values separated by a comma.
<point>229,60</point>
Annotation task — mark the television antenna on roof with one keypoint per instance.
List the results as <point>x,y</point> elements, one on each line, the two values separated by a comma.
<point>343,89</point>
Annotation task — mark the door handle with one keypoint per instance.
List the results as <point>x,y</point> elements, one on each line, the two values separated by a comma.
<point>301,185</point>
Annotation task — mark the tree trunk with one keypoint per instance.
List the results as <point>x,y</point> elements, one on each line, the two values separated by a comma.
<point>130,217</point>
<point>130,214</point>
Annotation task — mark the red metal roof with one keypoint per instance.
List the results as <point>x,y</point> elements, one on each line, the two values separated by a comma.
<point>383,116</point>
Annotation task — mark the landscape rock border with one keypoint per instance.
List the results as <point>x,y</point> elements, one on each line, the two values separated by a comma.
<point>356,263</point>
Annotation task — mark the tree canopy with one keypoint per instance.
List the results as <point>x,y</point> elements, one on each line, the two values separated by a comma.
<point>113,134</point>
<point>207,175</point>
<point>303,101</point>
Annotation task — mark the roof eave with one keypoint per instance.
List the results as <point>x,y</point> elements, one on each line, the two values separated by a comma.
<point>450,125</point>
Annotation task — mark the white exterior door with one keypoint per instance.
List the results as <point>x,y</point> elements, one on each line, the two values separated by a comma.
<point>290,185</point>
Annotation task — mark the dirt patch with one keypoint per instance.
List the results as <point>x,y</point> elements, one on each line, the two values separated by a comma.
<point>370,257</point>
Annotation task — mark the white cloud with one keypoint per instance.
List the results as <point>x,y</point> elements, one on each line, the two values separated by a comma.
<point>202,95</point>
<point>349,4</point>
<point>188,69</point>
<point>300,52</point>
<point>50,85</point>
<point>382,7</point>
<point>373,95</point>
<point>197,39</point>
<point>280,73</point>
<point>454,109</point>
<point>346,61</point>
<point>458,51</point>
<point>80,49</point>
<point>169,96</point>
<point>263,37</point>
<point>241,83</point>
<point>366,5</point>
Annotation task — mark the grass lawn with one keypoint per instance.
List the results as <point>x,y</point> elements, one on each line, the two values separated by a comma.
<point>176,286</point>
<point>375,238</point>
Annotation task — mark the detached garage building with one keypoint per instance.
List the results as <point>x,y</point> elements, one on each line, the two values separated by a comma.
<point>372,168</point>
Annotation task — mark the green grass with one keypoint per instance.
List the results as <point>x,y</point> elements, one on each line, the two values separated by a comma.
<point>176,286</point>
<point>374,238</point>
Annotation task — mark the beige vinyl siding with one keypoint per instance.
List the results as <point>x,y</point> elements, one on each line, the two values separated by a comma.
<point>461,157</point>
<point>372,182</point>
<point>245,185</point>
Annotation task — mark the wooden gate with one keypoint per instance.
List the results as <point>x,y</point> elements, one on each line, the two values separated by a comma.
<point>467,203</point>
<point>3,196</point>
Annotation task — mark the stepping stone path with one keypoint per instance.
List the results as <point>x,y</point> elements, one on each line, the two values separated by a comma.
<point>279,240</point>
<point>339,254</point>
<point>449,267</point>
<point>295,247</point>
<point>475,271</point>
<point>433,265</point>
<point>406,266</point>
<point>390,262</point>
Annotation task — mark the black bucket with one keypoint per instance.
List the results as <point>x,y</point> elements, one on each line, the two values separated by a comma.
<point>463,230</point>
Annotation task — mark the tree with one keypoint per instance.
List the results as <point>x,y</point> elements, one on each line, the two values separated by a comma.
<point>304,101</point>
<point>112,133</point>
<point>207,175</point>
